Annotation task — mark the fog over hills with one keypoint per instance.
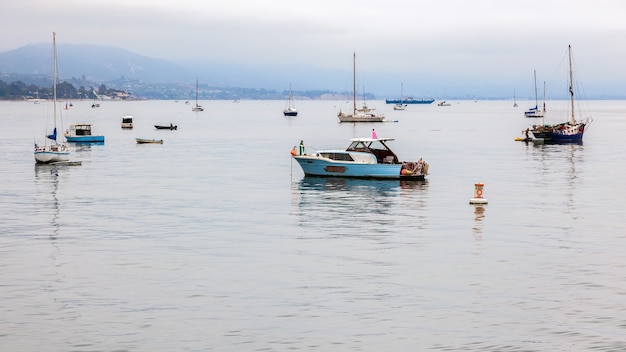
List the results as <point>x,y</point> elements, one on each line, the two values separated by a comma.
<point>102,64</point>
<point>96,63</point>
<point>106,63</point>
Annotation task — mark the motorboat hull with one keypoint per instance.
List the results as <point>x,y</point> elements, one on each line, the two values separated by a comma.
<point>85,139</point>
<point>316,166</point>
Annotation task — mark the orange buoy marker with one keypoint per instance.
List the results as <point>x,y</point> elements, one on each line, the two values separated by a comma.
<point>478,194</point>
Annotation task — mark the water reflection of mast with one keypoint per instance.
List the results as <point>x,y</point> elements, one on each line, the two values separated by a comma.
<point>571,184</point>
<point>55,218</point>
<point>52,172</point>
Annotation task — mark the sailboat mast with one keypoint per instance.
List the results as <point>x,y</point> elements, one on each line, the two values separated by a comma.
<point>535,73</point>
<point>354,82</point>
<point>571,82</point>
<point>544,96</point>
<point>54,80</point>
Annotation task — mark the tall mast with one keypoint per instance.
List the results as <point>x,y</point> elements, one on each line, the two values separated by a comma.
<point>54,80</point>
<point>543,114</point>
<point>571,82</point>
<point>354,83</point>
<point>535,73</point>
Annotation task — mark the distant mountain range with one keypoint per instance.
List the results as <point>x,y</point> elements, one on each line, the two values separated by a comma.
<point>101,64</point>
<point>92,63</point>
<point>145,77</point>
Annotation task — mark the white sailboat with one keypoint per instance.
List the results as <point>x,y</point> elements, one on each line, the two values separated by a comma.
<point>364,114</point>
<point>53,152</point>
<point>401,105</point>
<point>95,103</point>
<point>536,112</point>
<point>197,107</point>
<point>443,102</point>
<point>290,109</point>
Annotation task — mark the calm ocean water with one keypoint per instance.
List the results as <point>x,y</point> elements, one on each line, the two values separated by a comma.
<point>214,241</point>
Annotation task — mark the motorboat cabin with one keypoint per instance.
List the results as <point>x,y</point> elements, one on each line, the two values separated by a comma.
<point>127,121</point>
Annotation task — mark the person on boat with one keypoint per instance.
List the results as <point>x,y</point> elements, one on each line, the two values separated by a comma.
<point>526,133</point>
<point>293,151</point>
<point>374,136</point>
<point>301,147</point>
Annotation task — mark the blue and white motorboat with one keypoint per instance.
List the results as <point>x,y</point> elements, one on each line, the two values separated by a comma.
<point>81,133</point>
<point>364,158</point>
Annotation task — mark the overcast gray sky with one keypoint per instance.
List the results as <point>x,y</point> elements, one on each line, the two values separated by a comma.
<point>455,40</point>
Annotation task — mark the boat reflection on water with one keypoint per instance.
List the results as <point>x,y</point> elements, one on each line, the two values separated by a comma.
<point>349,184</point>
<point>359,207</point>
<point>47,178</point>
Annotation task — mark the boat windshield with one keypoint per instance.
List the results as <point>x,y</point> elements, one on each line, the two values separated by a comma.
<point>365,145</point>
<point>374,146</point>
<point>82,130</point>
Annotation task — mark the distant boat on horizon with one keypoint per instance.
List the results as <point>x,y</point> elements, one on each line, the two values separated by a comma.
<point>290,109</point>
<point>536,112</point>
<point>197,107</point>
<point>363,114</point>
<point>409,100</point>
<point>401,105</point>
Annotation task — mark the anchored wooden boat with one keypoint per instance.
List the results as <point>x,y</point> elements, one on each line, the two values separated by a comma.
<point>571,131</point>
<point>166,127</point>
<point>364,114</point>
<point>148,141</point>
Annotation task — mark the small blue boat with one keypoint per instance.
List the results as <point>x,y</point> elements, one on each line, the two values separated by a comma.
<point>364,158</point>
<point>81,133</point>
